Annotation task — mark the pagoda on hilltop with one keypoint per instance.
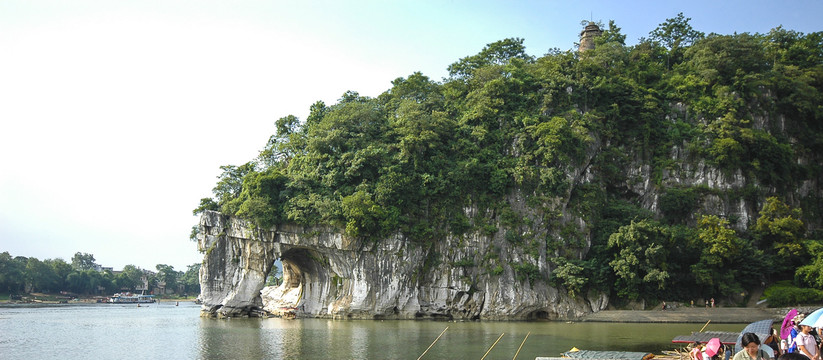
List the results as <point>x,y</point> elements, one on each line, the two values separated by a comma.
<point>587,36</point>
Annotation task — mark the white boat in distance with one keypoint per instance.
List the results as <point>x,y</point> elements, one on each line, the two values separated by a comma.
<point>128,298</point>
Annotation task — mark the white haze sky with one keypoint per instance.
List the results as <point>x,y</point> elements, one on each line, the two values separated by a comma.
<point>116,115</point>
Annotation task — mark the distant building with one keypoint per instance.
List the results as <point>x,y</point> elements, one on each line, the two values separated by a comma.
<point>144,281</point>
<point>160,288</point>
<point>587,36</point>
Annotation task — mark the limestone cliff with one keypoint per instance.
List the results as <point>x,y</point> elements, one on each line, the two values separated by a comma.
<point>498,271</point>
<point>329,275</point>
<point>495,193</point>
<point>234,269</point>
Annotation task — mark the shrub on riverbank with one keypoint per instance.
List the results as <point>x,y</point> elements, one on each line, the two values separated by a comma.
<point>785,294</point>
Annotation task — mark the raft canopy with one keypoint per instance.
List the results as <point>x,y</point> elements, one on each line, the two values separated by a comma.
<point>610,355</point>
<point>727,338</point>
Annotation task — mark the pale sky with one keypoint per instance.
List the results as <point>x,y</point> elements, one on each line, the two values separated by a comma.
<point>115,116</point>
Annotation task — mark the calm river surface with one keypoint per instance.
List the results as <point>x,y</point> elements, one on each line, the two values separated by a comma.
<point>166,331</point>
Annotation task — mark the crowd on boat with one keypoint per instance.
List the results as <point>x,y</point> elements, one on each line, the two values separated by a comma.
<point>798,339</point>
<point>804,336</point>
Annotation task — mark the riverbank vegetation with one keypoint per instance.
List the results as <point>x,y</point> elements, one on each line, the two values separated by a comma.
<point>577,134</point>
<point>82,276</point>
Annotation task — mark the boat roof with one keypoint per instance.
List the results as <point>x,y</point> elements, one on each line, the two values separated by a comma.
<point>728,338</point>
<point>611,355</point>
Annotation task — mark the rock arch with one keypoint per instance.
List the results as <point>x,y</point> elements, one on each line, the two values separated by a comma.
<point>305,285</point>
<point>328,275</point>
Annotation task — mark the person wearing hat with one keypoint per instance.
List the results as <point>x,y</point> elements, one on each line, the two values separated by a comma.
<point>751,349</point>
<point>792,344</point>
<point>806,344</point>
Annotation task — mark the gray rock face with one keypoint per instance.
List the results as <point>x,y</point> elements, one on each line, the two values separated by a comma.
<point>328,275</point>
<point>234,269</point>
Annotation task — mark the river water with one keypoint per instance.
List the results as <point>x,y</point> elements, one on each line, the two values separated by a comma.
<point>166,331</point>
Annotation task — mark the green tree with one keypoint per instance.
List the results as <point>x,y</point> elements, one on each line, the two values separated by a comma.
<point>280,148</point>
<point>40,276</point>
<point>107,283</point>
<point>83,261</point>
<point>781,230</point>
<point>726,260</point>
<point>363,216</point>
<point>229,186</point>
<point>96,281</point>
<point>12,273</point>
<point>497,53</point>
<point>675,34</point>
<point>678,203</point>
<point>195,230</point>
<point>61,269</point>
<point>641,259</point>
<point>812,273</point>
<point>83,281</point>
<point>731,60</point>
<point>167,274</point>
<point>569,274</point>
<point>191,279</point>
<point>206,204</point>
<point>274,278</point>
<point>129,279</point>
<point>264,197</point>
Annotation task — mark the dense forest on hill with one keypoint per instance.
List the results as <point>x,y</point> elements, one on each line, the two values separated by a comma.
<point>510,142</point>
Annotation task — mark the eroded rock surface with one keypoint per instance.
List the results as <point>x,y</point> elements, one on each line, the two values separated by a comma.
<point>234,268</point>
<point>328,275</point>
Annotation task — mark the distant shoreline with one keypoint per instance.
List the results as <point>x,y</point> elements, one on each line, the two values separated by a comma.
<point>718,315</point>
<point>81,302</point>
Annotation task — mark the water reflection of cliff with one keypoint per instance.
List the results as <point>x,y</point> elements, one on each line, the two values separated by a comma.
<point>233,339</point>
<point>256,338</point>
<point>398,339</point>
<point>307,339</point>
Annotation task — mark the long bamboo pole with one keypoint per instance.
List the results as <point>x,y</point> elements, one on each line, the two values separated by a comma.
<point>521,345</point>
<point>490,349</point>
<point>704,326</point>
<point>435,340</point>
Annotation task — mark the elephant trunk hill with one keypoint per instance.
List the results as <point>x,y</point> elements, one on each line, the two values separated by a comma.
<point>683,168</point>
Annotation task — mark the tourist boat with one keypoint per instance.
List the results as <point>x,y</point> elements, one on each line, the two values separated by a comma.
<point>128,298</point>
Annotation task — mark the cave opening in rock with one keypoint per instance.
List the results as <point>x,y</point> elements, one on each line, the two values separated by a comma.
<point>538,315</point>
<point>302,275</point>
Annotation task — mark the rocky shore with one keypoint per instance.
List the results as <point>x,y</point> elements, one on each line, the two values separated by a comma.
<point>728,315</point>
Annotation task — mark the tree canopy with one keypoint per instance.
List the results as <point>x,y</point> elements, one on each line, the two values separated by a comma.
<point>28,274</point>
